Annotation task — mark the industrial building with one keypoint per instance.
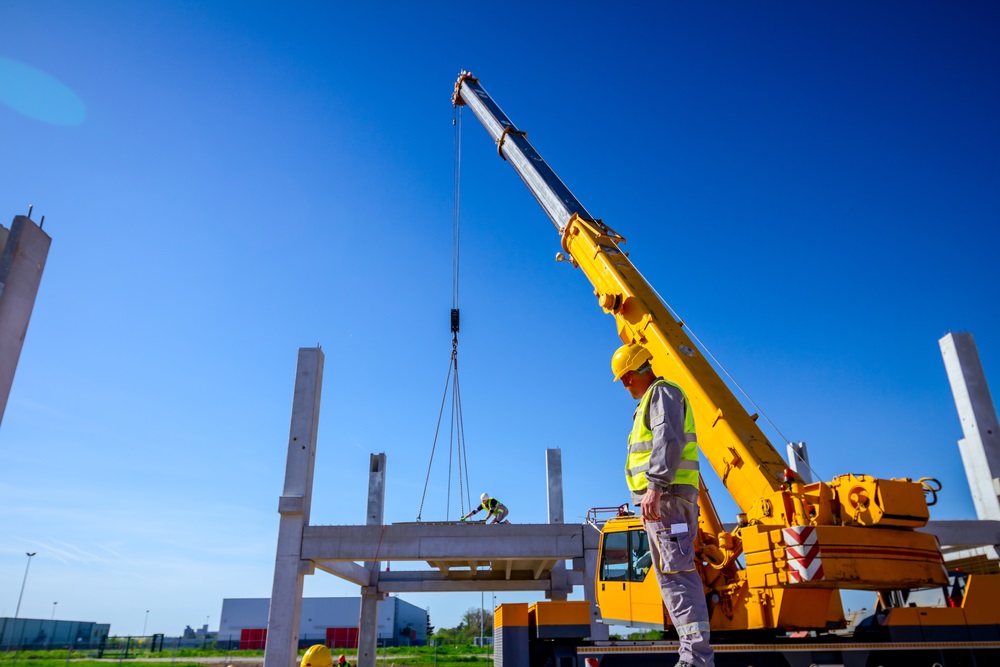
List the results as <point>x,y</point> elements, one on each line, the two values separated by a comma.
<point>330,621</point>
<point>41,634</point>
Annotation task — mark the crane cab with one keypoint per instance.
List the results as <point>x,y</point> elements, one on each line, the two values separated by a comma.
<point>627,590</point>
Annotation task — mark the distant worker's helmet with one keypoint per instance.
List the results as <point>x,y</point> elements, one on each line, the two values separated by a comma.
<point>318,655</point>
<point>627,358</point>
<point>484,497</point>
<point>341,660</point>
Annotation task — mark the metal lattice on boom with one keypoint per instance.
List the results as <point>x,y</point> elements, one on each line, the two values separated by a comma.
<point>456,443</point>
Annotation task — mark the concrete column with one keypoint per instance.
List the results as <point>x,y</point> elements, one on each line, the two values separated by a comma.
<point>798,459</point>
<point>370,597</point>
<point>554,484</point>
<point>980,448</point>
<point>23,251</point>
<point>560,588</point>
<point>590,562</point>
<point>284,615</point>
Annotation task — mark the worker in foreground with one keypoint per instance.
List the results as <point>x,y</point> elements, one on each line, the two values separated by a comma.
<point>493,508</point>
<point>662,476</point>
<point>317,655</point>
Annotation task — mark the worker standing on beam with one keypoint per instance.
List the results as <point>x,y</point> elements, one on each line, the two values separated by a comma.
<point>493,508</point>
<point>662,476</point>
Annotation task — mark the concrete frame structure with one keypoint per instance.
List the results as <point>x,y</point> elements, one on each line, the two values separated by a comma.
<point>506,557</point>
<point>463,556</point>
<point>23,251</point>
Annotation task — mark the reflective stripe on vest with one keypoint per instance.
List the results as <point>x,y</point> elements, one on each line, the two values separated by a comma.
<point>640,445</point>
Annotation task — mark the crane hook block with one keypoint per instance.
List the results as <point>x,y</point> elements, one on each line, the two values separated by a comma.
<point>454,320</point>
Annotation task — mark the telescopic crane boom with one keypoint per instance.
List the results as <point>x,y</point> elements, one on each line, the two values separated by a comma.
<point>801,542</point>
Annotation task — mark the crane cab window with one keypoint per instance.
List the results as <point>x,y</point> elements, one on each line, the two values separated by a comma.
<point>614,560</point>
<point>641,558</point>
<point>625,556</point>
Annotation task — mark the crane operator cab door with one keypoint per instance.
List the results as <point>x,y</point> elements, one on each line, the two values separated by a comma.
<point>627,590</point>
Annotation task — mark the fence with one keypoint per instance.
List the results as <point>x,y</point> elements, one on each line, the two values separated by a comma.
<point>344,638</point>
<point>112,647</point>
<point>129,647</point>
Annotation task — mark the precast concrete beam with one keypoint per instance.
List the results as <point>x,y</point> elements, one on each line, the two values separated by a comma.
<point>461,586</point>
<point>443,543</point>
<point>964,532</point>
<point>430,581</point>
<point>352,572</point>
<point>958,533</point>
<point>487,577</point>
<point>531,568</point>
<point>989,553</point>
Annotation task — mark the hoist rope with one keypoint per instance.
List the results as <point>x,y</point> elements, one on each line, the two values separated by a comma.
<point>451,447</point>
<point>456,438</point>
<point>725,371</point>
<point>437,429</point>
<point>463,450</point>
<point>457,206</point>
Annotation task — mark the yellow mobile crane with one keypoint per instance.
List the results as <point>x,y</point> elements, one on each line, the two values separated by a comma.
<point>800,543</point>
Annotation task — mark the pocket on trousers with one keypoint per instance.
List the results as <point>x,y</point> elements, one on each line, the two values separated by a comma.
<point>676,552</point>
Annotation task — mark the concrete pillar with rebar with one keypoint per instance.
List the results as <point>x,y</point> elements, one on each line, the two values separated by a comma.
<point>23,251</point>
<point>980,448</point>
<point>284,615</point>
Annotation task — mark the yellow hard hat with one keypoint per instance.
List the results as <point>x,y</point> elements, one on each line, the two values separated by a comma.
<point>628,358</point>
<point>317,655</point>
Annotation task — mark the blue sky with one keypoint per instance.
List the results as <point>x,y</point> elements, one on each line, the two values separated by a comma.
<point>812,186</point>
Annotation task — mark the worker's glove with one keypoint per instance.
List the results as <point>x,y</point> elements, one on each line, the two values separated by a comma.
<point>463,518</point>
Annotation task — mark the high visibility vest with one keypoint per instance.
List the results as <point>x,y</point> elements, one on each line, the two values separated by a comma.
<point>640,445</point>
<point>490,505</point>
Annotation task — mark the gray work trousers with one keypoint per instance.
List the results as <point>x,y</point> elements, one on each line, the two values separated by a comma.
<point>672,549</point>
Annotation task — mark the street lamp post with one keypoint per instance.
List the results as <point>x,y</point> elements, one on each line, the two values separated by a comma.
<point>144,623</point>
<point>48,639</point>
<point>23,582</point>
<point>17,610</point>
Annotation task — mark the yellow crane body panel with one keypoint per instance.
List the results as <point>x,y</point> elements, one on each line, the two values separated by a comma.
<point>841,557</point>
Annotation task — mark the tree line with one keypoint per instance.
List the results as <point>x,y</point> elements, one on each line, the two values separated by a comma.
<point>468,629</point>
